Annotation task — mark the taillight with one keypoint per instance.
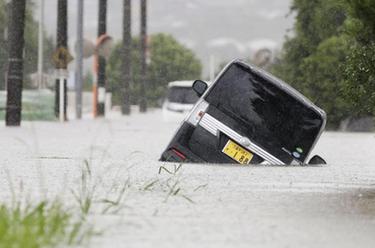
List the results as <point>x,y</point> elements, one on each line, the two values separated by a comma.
<point>178,153</point>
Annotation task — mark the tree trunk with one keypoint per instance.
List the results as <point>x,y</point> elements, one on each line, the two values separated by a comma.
<point>79,62</point>
<point>126,58</point>
<point>143,40</point>
<point>16,38</point>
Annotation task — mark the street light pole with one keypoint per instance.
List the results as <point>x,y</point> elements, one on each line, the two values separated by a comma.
<point>79,61</point>
<point>16,41</point>
<point>126,58</point>
<point>143,38</point>
<point>61,54</point>
<point>102,30</point>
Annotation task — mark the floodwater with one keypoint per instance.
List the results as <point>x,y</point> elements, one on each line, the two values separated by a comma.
<point>195,205</point>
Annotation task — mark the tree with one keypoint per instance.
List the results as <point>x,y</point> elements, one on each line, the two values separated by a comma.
<point>323,78</point>
<point>15,65</point>
<point>88,80</point>
<point>31,44</point>
<point>126,52</point>
<point>312,60</point>
<point>169,61</point>
<point>360,66</point>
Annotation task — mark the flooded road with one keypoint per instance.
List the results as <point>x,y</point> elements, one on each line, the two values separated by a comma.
<point>194,205</point>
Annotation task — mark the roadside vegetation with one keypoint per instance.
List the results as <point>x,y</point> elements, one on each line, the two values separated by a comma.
<point>168,61</point>
<point>31,45</point>
<point>71,223</point>
<point>43,225</point>
<point>36,105</point>
<point>46,223</point>
<point>330,57</point>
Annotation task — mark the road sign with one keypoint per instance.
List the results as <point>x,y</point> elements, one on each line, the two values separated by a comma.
<point>61,58</point>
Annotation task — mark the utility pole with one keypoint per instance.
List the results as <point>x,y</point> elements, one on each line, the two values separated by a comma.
<point>126,57</point>
<point>16,41</point>
<point>102,30</point>
<point>79,61</point>
<point>143,37</point>
<point>41,45</point>
<point>62,59</point>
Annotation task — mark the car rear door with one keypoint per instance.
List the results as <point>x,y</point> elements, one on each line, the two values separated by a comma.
<point>257,115</point>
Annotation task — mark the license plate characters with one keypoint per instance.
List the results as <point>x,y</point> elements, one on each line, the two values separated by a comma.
<point>237,153</point>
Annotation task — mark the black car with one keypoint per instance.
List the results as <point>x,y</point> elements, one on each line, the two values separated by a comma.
<point>247,116</point>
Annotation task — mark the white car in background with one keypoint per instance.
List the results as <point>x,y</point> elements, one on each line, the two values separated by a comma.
<point>180,99</point>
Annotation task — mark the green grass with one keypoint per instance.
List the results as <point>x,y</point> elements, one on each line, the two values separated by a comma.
<point>36,106</point>
<point>43,225</point>
<point>53,224</point>
<point>47,223</point>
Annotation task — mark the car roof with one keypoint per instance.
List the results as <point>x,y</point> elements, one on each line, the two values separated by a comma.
<point>181,84</point>
<point>186,83</point>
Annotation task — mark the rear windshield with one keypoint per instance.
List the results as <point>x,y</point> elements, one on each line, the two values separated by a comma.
<point>275,120</point>
<point>184,95</point>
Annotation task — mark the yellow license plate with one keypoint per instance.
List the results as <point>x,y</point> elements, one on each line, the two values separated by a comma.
<point>237,153</point>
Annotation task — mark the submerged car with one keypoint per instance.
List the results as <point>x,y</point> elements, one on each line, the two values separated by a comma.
<point>247,116</point>
<point>180,99</point>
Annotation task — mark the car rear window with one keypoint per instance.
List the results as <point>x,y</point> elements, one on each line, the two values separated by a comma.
<point>184,95</point>
<point>274,119</point>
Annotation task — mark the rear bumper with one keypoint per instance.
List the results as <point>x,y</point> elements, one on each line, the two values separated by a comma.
<point>179,143</point>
